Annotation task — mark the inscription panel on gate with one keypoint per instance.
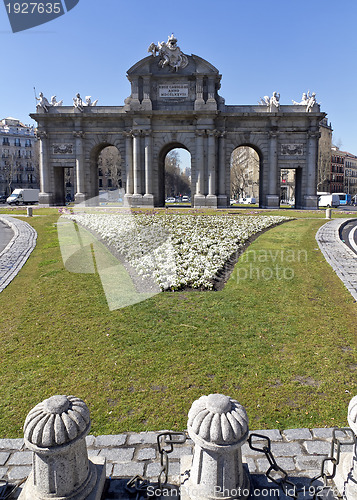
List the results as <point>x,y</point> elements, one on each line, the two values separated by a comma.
<point>173,91</point>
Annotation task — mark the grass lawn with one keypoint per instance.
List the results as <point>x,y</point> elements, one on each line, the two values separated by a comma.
<point>281,340</point>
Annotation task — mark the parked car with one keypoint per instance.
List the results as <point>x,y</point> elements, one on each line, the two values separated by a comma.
<point>185,199</point>
<point>3,198</point>
<point>170,199</point>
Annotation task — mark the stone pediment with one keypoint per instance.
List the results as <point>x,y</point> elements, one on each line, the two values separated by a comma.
<point>151,66</point>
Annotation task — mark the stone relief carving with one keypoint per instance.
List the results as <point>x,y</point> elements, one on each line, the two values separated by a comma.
<point>63,149</point>
<point>292,149</point>
<point>170,54</point>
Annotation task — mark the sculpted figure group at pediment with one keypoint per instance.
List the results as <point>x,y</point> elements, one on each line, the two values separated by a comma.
<point>170,54</point>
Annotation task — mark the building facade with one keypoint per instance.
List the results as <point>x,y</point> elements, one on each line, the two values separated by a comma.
<point>324,160</point>
<point>174,103</point>
<point>18,156</point>
<point>350,174</point>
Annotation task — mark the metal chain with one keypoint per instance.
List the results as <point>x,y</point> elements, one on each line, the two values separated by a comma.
<point>165,444</point>
<point>7,489</point>
<point>288,487</point>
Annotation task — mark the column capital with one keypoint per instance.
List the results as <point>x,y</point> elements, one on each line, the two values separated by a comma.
<point>136,133</point>
<point>200,133</point>
<point>273,133</point>
<point>313,134</point>
<point>78,134</point>
<point>41,134</point>
<point>223,134</point>
<point>212,133</point>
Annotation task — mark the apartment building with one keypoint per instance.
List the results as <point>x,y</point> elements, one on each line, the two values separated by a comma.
<point>19,157</point>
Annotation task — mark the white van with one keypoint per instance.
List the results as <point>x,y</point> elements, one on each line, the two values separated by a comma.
<point>329,200</point>
<point>247,201</point>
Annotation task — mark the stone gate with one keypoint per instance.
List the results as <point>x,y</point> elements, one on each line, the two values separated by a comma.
<point>174,102</point>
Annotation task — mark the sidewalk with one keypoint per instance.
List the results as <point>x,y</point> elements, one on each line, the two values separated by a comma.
<point>341,258</point>
<point>17,251</point>
<point>298,451</point>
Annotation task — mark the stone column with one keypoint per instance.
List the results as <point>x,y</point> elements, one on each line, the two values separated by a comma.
<point>45,195</point>
<point>80,178</point>
<point>128,168</point>
<point>310,197</point>
<point>222,197</point>
<point>136,162</point>
<point>212,163</point>
<point>148,197</point>
<point>199,198</point>
<point>218,426</point>
<point>55,431</point>
<point>272,197</point>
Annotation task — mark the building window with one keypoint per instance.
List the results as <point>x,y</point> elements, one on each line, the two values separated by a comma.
<point>5,141</point>
<point>17,142</point>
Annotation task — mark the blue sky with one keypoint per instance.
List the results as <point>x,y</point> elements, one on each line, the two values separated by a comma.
<point>258,46</point>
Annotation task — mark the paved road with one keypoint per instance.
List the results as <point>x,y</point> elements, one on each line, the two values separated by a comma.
<point>348,235</point>
<point>6,233</point>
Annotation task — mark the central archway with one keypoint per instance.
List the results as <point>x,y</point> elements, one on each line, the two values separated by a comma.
<point>174,174</point>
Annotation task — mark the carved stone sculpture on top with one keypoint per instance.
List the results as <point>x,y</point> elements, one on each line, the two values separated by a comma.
<point>54,101</point>
<point>308,100</point>
<point>77,102</point>
<point>272,102</point>
<point>89,101</point>
<point>170,54</point>
<point>43,103</point>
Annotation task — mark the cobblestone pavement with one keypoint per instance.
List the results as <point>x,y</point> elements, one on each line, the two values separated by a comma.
<point>298,451</point>
<point>338,255</point>
<point>17,251</point>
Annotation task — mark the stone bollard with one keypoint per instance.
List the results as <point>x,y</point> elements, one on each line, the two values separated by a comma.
<point>29,211</point>
<point>55,431</point>
<point>218,426</point>
<point>328,213</point>
<point>346,472</point>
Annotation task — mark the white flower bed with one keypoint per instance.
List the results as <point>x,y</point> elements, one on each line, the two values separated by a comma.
<point>176,251</point>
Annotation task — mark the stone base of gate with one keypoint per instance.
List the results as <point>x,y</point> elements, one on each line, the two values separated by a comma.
<point>344,480</point>
<point>310,202</point>
<point>211,201</point>
<point>80,198</point>
<point>202,201</point>
<point>272,201</point>
<point>139,200</point>
<point>97,463</point>
<point>45,199</point>
<point>223,201</point>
